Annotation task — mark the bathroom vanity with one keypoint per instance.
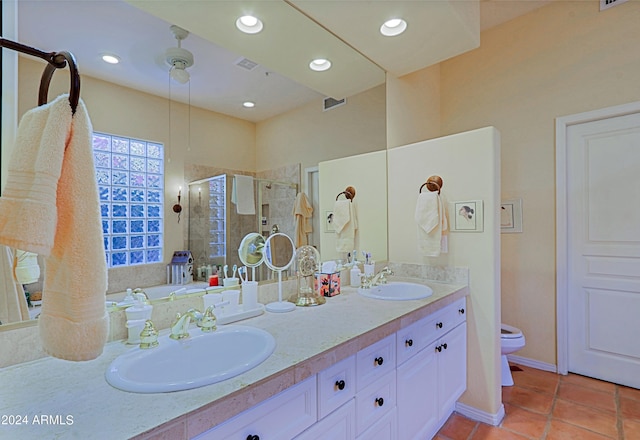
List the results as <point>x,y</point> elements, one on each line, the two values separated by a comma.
<point>350,368</point>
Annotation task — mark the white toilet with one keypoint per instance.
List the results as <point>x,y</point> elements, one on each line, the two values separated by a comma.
<point>511,339</point>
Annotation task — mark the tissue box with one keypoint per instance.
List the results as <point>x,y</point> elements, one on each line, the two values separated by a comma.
<point>328,284</point>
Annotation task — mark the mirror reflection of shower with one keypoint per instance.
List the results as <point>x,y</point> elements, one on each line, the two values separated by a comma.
<point>216,229</point>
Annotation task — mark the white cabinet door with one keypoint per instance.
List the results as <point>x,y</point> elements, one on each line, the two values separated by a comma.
<point>452,368</point>
<point>280,417</point>
<point>339,425</point>
<point>417,398</point>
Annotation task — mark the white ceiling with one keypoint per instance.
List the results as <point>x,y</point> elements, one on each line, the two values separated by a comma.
<point>437,30</point>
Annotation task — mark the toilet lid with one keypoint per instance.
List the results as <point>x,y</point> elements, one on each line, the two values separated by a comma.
<point>509,332</point>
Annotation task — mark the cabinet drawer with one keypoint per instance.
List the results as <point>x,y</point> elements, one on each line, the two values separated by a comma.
<point>375,401</point>
<point>384,429</point>
<point>413,338</point>
<point>339,425</point>
<point>375,360</point>
<point>282,416</point>
<point>336,385</point>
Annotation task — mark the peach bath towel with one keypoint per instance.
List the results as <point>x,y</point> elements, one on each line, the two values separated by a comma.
<point>302,211</point>
<point>50,206</point>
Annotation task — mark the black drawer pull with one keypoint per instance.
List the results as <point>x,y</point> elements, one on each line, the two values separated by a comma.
<point>253,437</point>
<point>444,345</point>
<point>408,342</point>
<point>378,360</point>
<point>461,311</point>
<point>380,401</point>
<point>438,325</point>
<point>340,384</point>
<point>439,348</point>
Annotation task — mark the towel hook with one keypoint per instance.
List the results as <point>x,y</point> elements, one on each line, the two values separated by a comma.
<point>433,183</point>
<point>349,193</point>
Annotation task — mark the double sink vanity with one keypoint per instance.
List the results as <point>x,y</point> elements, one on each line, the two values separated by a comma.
<point>355,367</point>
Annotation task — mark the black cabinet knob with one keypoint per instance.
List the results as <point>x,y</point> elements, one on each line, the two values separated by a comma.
<point>253,437</point>
<point>444,345</point>
<point>380,401</point>
<point>439,348</point>
<point>461,311</point>
<point>340,384</point>
<point>379,360</point>
<point>439,325</point>
<point>408,342</point>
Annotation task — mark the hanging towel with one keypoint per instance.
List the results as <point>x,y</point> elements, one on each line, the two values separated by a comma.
<point>13,303</point>
<point>242,195</point>
<point>345,223</point>
<point>26,268</point>
<point>302,211</point>
<point>50,206</point>
<point>431,219</point>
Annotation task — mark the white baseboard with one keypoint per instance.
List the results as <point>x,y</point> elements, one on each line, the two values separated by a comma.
<point>532,363</point>
<point>481,416</point>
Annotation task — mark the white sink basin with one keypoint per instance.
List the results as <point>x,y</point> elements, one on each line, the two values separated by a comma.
<point>199,360</point>
<point>397,291</point>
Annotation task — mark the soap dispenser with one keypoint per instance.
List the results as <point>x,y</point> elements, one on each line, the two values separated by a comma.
<point>137,315</point>
<point>355,276</point>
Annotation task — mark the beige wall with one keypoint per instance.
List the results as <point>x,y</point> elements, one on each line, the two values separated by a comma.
<point>367,173</point>
<point>469,164</point>
<point>561,59</point>
<point>413,107</point>
<point>307,135</point>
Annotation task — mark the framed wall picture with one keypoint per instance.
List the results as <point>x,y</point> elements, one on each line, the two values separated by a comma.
<point>466,216</point>
<point>511,216</point>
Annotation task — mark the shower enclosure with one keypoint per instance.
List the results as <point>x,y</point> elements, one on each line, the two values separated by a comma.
<point>216,229</point>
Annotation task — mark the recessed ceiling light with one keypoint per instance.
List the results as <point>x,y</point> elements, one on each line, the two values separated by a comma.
<point>393,27</point>
<point>248,104</point>
<point>249,24</point>
<point>111,59</point>
<point>320,65</point>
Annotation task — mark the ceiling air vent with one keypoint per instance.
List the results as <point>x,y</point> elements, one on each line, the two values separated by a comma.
<point>330,103</point>
<point>246,64</point>
<point>606,4</point>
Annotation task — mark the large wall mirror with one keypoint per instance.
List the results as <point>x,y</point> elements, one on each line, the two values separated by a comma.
<point>278,149</point>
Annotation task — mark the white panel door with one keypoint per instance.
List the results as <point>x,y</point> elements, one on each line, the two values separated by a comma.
<point>603,206</point>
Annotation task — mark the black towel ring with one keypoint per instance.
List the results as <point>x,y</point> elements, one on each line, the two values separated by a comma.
<point>433,183</point>
<point>59,61</point>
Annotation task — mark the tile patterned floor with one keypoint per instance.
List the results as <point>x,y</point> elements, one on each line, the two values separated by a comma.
<point>546,406</point>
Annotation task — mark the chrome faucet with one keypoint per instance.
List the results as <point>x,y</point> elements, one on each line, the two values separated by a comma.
<point>379,278</point>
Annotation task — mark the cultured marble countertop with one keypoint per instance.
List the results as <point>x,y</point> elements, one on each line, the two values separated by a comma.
<point>52,398</point>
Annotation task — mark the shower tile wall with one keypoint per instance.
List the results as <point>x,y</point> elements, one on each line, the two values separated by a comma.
<point>280,199</point>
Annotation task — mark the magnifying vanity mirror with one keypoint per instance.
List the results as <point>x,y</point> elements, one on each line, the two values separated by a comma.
<point>251,252</point>
<point>279,253</point>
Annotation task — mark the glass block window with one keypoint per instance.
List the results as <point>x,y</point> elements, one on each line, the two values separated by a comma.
<point>130,175</point>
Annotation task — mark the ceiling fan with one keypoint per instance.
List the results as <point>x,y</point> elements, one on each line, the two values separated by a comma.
<point>179,58</point>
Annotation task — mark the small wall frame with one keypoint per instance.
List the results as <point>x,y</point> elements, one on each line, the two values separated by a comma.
<point>511,216</point>
<point>466,216</point>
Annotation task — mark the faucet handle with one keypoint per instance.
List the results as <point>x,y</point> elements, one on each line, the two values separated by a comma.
<point>149,335</point>
<point>208,321</point>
